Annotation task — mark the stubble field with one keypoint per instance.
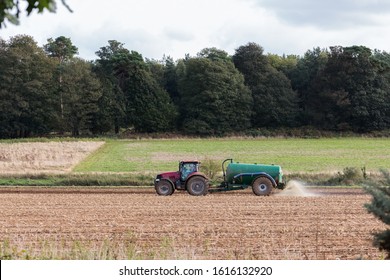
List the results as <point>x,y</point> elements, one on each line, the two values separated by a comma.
<point>122,223</point>
<point>44,157</point>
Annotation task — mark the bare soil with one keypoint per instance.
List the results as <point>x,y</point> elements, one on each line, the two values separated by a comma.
<point>332,223</point>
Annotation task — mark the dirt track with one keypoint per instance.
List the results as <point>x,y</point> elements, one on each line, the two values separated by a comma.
<point>333,224</point>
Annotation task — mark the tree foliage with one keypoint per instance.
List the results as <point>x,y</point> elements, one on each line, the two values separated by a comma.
<point>62,51</point>
<point>47,90</point>
<point>61,48</point>
<point>30,101</point>
<point>380,207</point>
<point>346,88</point>
<point>274,100</point>
<point>112,114</point>
<point>81,93</point>
<point>149,108</point>
<point>10,9</point>
<point>352,86</point>
<point>27,105</point>
<point>214,98</point>
<point>304,79</point>
<point>133,94</point>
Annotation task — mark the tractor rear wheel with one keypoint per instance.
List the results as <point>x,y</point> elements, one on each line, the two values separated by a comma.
<point>262,186</point>
<point>197,186</point>
<point>164,187</point>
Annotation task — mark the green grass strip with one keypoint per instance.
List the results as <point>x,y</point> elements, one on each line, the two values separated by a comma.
<point>294,155</point>
<point>78,180</point>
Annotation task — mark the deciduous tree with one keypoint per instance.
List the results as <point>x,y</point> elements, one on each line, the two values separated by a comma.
<point>27,102</point>
<point>305,79</point>
<point>353,91</point>
<point>82,90</point>
<point>214,99</point>
<point>11,9</point>
<point>138,99</point>
<point>275,103</point>
<point>149,107</point>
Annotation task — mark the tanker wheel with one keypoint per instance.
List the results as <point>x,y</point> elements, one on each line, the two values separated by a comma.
<point>262,186</point>
<point>197,186</point>
<point>164,188</point>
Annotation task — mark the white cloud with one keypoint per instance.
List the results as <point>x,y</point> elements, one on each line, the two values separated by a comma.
<point>176,27</point>
<point>330,14</point>
<point>176,34</point>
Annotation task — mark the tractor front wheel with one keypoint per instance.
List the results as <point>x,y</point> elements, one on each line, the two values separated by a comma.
<point>164,187</point>
<point>197,186</point>
<point>262,186</point>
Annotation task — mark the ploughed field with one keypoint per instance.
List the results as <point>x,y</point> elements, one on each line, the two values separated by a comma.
<point>120,223</point>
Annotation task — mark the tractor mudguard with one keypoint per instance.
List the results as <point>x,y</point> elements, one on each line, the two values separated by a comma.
<point>163,179</point>
<point>197,174</point>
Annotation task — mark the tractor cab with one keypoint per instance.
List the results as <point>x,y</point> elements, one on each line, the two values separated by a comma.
<point>186,178</point>
<point>186,168</point>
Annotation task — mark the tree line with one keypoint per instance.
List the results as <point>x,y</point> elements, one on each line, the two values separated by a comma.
<point>48,90</point>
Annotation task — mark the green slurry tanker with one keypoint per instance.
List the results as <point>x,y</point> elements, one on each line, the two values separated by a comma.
<point>236,176</point>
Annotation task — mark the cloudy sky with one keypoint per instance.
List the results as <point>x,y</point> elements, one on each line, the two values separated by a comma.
<point>177,27</point>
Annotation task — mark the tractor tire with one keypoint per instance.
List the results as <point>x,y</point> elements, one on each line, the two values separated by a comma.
<point>262,186</point>
<point>165,188</point>
<point>197,185</point>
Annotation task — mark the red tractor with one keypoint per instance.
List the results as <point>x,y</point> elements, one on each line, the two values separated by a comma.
<point>187,178</point>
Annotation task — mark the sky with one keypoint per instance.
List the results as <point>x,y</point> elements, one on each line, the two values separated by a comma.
<point>175,28</point>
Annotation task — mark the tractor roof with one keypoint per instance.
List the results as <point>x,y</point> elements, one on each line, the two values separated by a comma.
<point>189,161</point>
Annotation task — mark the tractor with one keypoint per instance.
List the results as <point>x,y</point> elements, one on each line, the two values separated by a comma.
<point>236,176</point>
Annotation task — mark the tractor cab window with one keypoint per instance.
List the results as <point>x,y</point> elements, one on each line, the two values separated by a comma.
<point>187,168</point>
